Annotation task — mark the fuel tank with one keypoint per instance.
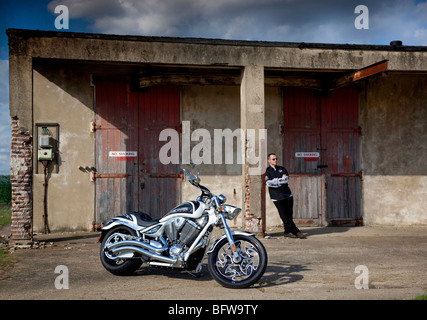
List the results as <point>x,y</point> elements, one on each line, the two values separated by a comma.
<point>190,209</point>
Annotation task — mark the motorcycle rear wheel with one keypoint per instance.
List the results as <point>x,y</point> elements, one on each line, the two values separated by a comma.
<point>119,267</point>
<point>238,274</point>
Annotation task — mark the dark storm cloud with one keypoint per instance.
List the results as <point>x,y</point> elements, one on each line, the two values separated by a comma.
<point>274,20</point>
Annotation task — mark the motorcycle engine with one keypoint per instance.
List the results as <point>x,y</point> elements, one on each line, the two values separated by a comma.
<point>191,230</point>
<point>183,232</point>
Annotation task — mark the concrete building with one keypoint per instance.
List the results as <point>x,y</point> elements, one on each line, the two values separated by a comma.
<point>348,121</point>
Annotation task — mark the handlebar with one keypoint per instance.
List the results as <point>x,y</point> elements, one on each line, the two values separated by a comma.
<point>191,178</point>
<point>214,201</point>
<point>195,181</point>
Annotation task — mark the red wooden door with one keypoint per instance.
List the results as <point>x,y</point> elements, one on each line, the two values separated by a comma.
<point>159,109</point>
<point>340,152</point>
<point>127,150</point>
<point>302,134</point>
<point>116,184</point>
<point>329,188</point>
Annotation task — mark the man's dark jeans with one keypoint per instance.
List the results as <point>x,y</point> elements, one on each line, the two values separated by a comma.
<point>286,212</point>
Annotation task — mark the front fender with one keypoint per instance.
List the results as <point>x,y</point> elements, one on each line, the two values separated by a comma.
<point>240,233</point>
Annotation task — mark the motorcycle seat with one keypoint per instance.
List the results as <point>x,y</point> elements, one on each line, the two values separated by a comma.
<point>143,219</point>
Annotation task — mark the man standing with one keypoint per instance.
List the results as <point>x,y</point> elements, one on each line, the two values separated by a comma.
<point>276,178</point>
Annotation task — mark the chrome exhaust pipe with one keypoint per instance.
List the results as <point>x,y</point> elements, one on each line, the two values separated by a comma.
<point>140,250</point>
<point>158,248</point>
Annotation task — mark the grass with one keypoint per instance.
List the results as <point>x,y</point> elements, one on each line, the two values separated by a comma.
<point>421,297</point>
<point>7,261</point>
<point>5,214</point>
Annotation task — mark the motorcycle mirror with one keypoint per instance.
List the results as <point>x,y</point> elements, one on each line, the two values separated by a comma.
<point>192,164</point>
<point>193,179</point>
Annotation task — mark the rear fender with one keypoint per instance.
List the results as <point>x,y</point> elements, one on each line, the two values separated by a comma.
<point>118,221</point>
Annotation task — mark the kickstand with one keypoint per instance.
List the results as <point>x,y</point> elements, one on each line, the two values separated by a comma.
<point>194,273</point>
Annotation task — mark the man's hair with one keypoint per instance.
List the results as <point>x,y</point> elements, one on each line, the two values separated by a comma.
<point>270,154</point>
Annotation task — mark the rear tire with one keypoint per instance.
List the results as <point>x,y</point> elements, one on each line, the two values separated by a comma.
<point>119,267</point>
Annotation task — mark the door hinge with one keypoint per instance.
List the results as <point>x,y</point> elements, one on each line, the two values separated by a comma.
<point>349,175</point>
<point>95,176</point>
<point>93,127</point>
<point>322,166</point>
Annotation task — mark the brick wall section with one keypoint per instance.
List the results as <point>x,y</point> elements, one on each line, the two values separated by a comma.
<point>252,223</point>
<point>21,170</point>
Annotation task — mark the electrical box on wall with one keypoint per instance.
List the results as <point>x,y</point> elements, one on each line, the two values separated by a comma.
<point>45,154</point>
<point>46,147</point>
<point>44,141</point>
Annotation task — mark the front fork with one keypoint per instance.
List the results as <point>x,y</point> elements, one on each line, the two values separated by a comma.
<point>236,255</point>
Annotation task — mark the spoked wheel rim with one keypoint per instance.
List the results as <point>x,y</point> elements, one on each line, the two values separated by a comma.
<point>237,270</point>
<point>110,261</point>
<point>114,238</point>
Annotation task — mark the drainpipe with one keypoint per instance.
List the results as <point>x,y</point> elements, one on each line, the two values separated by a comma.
<point>45,217</point>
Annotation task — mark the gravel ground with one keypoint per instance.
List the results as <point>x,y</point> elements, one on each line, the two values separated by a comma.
<point>322,266</point>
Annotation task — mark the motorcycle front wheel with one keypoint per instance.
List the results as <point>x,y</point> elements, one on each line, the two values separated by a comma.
<point>242,272</point>
<point>120,267</point>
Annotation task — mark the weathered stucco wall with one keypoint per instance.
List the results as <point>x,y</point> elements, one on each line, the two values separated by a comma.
<point>63,95</point>
<point>273,122</point>
<point>393,116</point>
<point>209,108</point>
<point>50,82</point>
<point>27,44</point>
<point>392,112</point>
<point>218,107</point>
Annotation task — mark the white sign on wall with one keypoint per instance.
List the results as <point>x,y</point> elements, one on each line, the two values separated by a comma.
<point>123,155</point>
<point>308,156</point>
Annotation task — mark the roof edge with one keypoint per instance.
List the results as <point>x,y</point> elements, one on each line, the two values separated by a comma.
<point>28,33</point>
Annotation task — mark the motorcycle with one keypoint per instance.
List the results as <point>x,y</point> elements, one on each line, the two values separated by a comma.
<point>181,239</point>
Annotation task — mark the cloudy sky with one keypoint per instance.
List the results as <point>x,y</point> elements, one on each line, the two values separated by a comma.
<point>323,21</point>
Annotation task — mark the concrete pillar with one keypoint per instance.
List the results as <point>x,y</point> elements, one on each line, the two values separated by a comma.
<point>252,108</point>
<point>21,152</point>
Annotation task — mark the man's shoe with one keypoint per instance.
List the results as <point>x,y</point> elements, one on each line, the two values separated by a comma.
<point>300,235</point>
<point>290,235</point>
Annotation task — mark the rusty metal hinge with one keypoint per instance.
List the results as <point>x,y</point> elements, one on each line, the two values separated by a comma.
<point>349,175</point>
<point>93,126</point>
<point>172,175</point>
<point>282,129</point>
<point>94,175</point>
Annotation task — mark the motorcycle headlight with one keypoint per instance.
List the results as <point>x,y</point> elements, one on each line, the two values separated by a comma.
<point>230,212</point>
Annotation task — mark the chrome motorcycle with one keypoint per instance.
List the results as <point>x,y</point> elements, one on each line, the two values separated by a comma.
<point>180,240</point>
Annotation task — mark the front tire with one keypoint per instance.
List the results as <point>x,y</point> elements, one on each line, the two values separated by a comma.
<point>119,267</point>
<point>242,274</point>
